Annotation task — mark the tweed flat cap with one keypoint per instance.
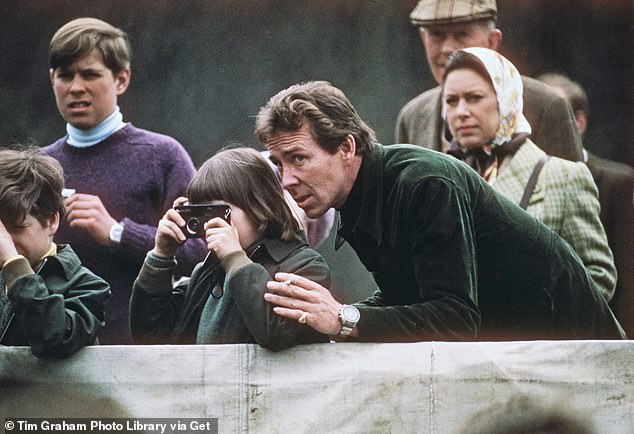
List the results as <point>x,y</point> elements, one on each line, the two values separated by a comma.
<point>437,12</point>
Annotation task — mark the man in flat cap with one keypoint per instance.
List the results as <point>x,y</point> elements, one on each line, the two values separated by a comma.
<point>447,25</point>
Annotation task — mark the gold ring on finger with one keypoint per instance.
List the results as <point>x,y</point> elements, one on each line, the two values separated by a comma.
<point>302,318</point>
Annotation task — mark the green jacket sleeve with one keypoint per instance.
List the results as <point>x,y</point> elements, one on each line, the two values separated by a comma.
<point>56,313</point>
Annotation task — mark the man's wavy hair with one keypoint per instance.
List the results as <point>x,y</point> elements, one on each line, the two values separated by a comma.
<point>242,177</point>
<point>30,184</point>
<point>326,110</point>
<point>78,38</point>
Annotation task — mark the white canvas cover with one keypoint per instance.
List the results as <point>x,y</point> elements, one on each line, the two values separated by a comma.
<point>429,387</point>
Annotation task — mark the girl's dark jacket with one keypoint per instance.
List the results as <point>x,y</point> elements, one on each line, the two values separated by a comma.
<point>213,307</point>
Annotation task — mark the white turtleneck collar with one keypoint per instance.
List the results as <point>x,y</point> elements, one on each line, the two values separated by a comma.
<point>85,138</point>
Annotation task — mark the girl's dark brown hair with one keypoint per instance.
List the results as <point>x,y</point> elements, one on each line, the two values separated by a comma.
<point>242,177</point>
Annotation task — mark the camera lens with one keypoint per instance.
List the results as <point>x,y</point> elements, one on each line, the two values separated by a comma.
<point>193,225</point>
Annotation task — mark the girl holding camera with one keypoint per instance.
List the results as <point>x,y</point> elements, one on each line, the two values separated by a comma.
<point>223,301</point>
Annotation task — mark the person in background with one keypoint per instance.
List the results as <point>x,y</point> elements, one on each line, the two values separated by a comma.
<point>447,25</point>
<point>615,182</point>
<point>124,177</point>
<point>445,249</point>
<point>482,105</point>
<point>48,300</point>
<point>529,414</point>
<point>223,302</point>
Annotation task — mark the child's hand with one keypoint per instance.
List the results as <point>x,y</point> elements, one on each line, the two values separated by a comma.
<point>169,235</point>
<point>7,247</point>
<point>222,238</point>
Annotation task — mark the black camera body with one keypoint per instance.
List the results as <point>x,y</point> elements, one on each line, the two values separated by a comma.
<point>196,215</point>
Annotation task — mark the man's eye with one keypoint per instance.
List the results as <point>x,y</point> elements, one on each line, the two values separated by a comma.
<point>298,158</point>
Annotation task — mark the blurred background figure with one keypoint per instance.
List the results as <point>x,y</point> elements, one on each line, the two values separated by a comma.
<point>523,414</point>
<point>615,182</point>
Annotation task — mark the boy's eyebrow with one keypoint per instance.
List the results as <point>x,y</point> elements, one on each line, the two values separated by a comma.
<point>81,70</point>
<point>71,70</point>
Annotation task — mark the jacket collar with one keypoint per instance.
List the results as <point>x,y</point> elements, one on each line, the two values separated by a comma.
<point>66,259</point>
<point>276,248</point>
<point>363,209</point>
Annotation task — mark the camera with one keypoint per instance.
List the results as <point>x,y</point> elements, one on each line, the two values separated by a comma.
<point>196,215</point>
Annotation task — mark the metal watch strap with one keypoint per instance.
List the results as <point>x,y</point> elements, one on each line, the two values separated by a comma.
<point>346,325</point>
<point>345,330</point>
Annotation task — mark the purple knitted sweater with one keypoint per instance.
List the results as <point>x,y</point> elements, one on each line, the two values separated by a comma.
<point>137,174</point>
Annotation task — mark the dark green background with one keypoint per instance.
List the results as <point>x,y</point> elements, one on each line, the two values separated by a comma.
<point>202,68</point>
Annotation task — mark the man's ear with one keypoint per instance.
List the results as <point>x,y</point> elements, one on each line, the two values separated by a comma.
<point>122,79</point>
<point>421,34</point>
<point>51,75</point>
<point>581,120</point>
<point>495,39</point>
<point>348,148</point>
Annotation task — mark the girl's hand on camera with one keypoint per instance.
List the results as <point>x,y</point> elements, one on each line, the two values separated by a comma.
<point>222,238</point>
<point>169,235</point>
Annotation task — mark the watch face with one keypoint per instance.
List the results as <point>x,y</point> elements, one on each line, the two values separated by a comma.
<point>350,314</point>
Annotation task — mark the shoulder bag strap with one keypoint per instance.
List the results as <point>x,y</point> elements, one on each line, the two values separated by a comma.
<point>532,181</point>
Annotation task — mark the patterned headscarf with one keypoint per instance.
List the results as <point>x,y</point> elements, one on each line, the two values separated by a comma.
<point>508,87</point>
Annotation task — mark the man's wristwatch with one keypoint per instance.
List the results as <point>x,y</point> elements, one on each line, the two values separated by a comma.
<point>116,232</point>
<point>349,316</point>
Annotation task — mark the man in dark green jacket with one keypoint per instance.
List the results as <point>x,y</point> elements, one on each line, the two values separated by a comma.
<point>453,260</point>
<point>48,300</point>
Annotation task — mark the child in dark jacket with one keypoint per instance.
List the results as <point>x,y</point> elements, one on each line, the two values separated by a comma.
<point>223,301</point>
<point>48,300</point>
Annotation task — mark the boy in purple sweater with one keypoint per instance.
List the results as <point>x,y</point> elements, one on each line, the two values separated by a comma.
<point>124,178</point>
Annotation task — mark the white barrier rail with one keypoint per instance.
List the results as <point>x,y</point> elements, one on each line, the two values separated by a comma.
<point>429,387</point>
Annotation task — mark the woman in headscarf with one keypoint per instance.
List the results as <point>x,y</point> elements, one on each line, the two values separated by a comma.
<point>482,106</point>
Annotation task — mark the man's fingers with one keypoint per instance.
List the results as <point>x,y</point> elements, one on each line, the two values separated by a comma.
<point>287,302</point>
<point>290,279</point>
<point>293,314</point>
<point>285,288</point>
